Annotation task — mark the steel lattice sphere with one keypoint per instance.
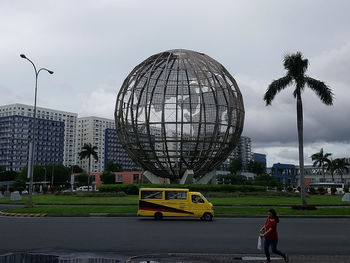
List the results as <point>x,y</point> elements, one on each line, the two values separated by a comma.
<point>179,110</point>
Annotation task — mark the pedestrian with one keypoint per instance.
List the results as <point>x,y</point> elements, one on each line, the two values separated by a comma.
<point>269,232</point>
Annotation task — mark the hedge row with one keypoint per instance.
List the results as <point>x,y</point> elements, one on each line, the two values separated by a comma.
<point>203,188</point>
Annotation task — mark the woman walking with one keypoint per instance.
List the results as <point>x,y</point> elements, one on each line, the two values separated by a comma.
<point>269,232</point>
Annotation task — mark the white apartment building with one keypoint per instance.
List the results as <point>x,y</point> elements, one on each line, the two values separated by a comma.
<point>69,119</point>
<point>243,151</point>
<point>92,130</point>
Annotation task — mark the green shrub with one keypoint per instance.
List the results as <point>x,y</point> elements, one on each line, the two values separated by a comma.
<point>203,188</point>
<point>333,190</point>
<point>65,193</point>
<point>120,194</point>
<point>2,189</point>
<point>321,190</point>
<point>100,194</point>
<point>312,190</point>
<point>108,177</point>
<point>346,188</point>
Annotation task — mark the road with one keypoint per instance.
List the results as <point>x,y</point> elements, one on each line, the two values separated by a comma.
<point>133,236</point>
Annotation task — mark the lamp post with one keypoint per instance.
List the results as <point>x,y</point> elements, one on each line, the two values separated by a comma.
<point>32,142</point>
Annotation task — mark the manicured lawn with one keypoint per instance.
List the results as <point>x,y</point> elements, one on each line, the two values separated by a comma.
<point>329,211</point>
<point>75,209</point>
<point>221,210</point>
<point>133,200</point>
<point>72,199</point>
<point>277,200</point>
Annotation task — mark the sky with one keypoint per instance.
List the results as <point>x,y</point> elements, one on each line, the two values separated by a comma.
<point>93,45</point>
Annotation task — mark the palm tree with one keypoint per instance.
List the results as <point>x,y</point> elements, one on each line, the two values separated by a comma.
<point>321,160</point>
<point>332,167</point>
<point>296,67</point>
<point>87,151</point>
<point>341,167</point>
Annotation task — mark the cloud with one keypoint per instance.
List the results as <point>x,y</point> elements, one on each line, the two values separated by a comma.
<point>287,153</point>
<point>99,103</point>
<point>92,46</point>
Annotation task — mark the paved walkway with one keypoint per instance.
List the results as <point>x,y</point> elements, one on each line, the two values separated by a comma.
<point>235,258</point>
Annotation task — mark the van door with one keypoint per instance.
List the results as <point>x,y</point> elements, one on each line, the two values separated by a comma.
<point>198,206</point>
<point>176,202</point>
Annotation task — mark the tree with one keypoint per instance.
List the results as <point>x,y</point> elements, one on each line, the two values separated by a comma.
<point>77,169</point>
<point>341,166</point>
<point>235,166</point>
<point>337,166</point>
<point>296,67</point>
<point>8,175</point>
<point>81,179</point>
<point>114,167</point>
<point>20,182</point>
<point>108,177</point>
<point>267,180</point>
<point>86,153</point>
<point>232,179</point>
<point>321,160</point>
<point>57,174</point>
<point>256,167</point>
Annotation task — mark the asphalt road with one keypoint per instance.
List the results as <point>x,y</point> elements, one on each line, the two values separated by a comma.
<point>133,236</point>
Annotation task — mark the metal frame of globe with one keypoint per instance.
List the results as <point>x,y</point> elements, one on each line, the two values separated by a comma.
<point>179,110</point>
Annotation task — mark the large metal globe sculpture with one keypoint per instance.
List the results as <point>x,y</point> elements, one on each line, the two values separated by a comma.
<point>179,110</point>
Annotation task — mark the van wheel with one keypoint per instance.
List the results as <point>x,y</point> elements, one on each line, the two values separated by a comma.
<point>207,217</point>
<point>158,216</point>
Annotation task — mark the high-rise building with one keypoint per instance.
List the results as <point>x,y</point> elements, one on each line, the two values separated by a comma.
<point>92,130</point>
<point>17,131</point>
<point>114,152</point>
<point>243,152</point>
<point>260,158</point>
<point>69,120</point>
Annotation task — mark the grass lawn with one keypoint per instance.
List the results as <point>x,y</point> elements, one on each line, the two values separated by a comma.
<point>72,199</point>
<point>329,211</point>
<point>277,200</point>
<point>217,201</point>
<point>75,209</point>
<point>221,210</point>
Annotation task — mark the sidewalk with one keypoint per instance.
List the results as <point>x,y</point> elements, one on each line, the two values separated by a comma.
<point>236,258</point>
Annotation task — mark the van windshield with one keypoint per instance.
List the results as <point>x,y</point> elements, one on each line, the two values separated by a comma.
<point>197,199</point>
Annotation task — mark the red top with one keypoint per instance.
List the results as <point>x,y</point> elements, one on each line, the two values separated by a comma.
<point>273,225</point>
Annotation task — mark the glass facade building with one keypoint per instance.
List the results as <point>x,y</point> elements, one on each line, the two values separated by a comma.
<point>115,152</point>
<point>15,134</point>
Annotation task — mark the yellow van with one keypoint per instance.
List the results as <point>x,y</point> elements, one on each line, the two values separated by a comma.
<point>159,202</point>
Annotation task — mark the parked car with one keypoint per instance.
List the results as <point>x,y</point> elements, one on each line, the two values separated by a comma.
<point>84,188</point>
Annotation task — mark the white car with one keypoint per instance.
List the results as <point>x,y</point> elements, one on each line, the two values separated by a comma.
<point>84,188</point>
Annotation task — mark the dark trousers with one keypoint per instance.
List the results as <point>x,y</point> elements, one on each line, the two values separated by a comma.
<point>273,243</point>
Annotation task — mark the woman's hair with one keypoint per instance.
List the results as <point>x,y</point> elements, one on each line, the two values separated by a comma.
<point>274,215</point>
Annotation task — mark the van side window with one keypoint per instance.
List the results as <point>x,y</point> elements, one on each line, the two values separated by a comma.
<point>169,195</point>
<point>197,199</point>
<point>151,195</point>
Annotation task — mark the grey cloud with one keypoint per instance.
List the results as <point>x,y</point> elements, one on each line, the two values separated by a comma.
<point>93,45</point>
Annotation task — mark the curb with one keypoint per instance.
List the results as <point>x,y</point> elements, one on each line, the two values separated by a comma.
<point>238,258</point>
<point>220,205</point>
<point>21,215</point>
<point>134,215</point>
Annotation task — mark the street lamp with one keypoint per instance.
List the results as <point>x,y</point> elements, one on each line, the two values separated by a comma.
<point>32,142</point>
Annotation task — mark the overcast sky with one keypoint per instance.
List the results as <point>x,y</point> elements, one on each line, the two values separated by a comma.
<point>93,45</point>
